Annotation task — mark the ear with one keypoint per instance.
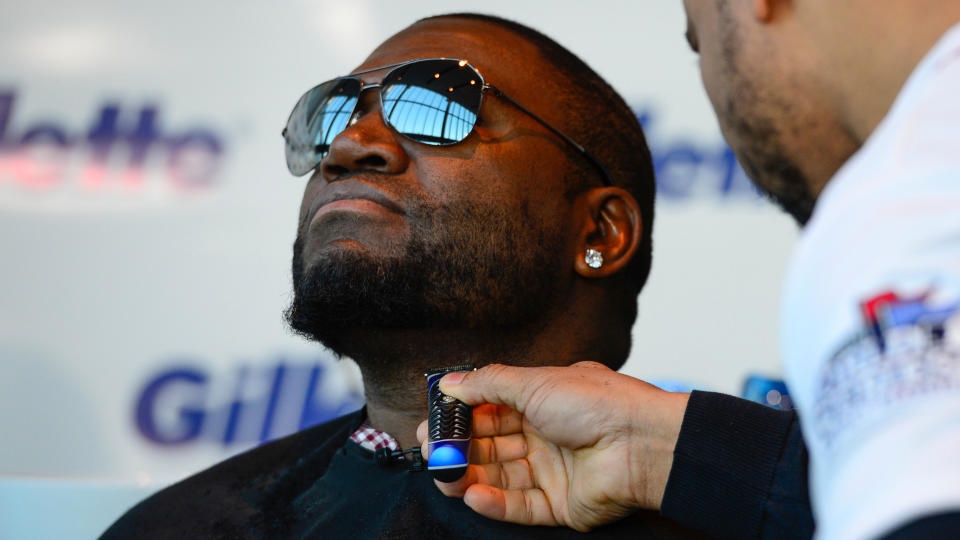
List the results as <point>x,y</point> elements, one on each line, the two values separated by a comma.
<point>611,224</point>
<point>763,10</point>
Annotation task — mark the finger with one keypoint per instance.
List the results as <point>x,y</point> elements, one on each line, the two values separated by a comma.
<point>509,475</point>
<point>422,432</point>
<point>422,437</point>
<point>591,365</point>
<point>496,383</point>
<point>497,449</point>
<point>491,420</point>
<point>488,422</point>
<point>458,487</point>
<point>526,507</point>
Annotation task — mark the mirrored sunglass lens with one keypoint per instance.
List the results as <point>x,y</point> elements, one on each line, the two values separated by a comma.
<point>320,115</point>
<point>433,102</point>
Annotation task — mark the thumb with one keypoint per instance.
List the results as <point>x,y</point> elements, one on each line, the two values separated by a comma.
<point>497,384</point>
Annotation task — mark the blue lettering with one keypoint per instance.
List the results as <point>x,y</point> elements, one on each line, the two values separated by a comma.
<point>143,137</point>
<point>687,170</point>
<point>172,408</point>
<point>104,132</point>
<point>44,169</point>
<point>730,169</point>
<point>6,105</point>
<point>48,133</point>
<point>677,170</point>
<point>193,382</point>
<point>272,403</point>
<point>235,409</point>
<point>309,415</point>
<point>193,157</point>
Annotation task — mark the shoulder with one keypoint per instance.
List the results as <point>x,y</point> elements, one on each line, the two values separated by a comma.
<point>887,221</point>
<point>240,494</point>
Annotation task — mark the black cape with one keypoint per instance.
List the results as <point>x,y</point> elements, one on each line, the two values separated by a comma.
<point>318,484</point>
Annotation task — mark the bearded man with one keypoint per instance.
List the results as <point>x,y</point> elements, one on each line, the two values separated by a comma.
<point>478,195</point>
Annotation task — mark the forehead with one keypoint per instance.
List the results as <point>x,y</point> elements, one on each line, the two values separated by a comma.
<point>504,58</point>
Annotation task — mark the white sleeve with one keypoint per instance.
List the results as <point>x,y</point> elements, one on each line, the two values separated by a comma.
<point>871,346</point>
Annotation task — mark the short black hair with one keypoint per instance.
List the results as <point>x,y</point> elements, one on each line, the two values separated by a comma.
<point>599,119</point>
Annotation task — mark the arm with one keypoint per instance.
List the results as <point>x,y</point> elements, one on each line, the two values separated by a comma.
<point>593,445</point>
<point>739,471</point>
<point>940,526</point>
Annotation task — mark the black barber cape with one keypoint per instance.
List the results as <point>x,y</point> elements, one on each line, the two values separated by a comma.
<point>319,484</point>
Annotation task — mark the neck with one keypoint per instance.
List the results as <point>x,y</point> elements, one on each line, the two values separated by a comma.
<point>892,38</point>
<point>393,362</point>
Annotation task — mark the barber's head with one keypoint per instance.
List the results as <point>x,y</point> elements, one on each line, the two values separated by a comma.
<point>411,220</point>
<point>767,68</point>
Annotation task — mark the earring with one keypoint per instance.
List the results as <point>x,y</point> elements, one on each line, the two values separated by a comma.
<point>593,258</point>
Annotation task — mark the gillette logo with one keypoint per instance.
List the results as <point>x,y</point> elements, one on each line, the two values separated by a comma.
<point>123,151</point>
<point>689,170</point>
<point>187,404</point>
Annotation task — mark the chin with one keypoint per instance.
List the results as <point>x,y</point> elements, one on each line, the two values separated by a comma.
<point>317,251</point>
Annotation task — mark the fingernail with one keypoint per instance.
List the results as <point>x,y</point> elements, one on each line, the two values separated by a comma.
<point>454,378</point>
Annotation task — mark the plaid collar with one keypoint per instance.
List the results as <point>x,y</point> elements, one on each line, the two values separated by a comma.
<point>372,439</point>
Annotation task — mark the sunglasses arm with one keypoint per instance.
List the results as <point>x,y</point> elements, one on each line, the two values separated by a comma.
<point>593,161</point>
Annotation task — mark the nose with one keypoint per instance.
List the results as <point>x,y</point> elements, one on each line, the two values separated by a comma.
<point>366,144</point>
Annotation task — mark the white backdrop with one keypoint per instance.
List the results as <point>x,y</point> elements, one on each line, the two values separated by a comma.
<point>146,219</point>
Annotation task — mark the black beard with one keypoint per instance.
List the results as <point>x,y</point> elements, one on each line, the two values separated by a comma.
<point>775,175</point>
<point>469,268</point>
<point>753,115</point>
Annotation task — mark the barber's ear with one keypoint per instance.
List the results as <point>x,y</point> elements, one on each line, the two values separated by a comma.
<point>611,225</point>
<point>765,10</point>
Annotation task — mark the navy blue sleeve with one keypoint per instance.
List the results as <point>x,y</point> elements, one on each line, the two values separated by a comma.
<point>739,471</point>
<point>946,526</point>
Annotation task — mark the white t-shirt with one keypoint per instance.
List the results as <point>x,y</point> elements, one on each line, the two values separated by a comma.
<point>870,334</point>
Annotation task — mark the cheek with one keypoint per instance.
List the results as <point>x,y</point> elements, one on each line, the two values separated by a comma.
<point>733,99</point>
<point>480,177</point>
<point>309,195</point>
<point>716,82</point>
<point>522,176</point>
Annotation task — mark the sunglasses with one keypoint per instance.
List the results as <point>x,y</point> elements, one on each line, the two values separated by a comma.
<point>432,101</point>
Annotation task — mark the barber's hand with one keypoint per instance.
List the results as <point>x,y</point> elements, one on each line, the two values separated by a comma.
<point>574,446</point>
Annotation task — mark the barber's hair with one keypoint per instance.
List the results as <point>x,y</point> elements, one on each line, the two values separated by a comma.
<point>598,118</point>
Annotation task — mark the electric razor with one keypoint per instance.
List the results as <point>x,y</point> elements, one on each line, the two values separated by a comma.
<point>449,426</point>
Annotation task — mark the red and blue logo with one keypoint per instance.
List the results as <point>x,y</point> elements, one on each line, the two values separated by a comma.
<point>909,347</point>
<point>889,310</point>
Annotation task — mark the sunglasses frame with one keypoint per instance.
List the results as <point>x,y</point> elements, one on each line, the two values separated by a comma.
<point>484,88</point>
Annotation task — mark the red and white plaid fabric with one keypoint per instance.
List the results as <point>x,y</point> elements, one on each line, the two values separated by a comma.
<point>371,439</point>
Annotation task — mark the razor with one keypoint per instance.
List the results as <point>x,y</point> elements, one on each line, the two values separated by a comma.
<point>449,426</point>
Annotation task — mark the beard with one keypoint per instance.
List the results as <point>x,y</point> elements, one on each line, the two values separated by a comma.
<point>477,268</point>
<point>756,122</point>
<point>774,174</point>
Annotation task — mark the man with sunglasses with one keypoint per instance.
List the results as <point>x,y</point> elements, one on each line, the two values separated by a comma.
<point>477,195</point>
<point>846,114</point>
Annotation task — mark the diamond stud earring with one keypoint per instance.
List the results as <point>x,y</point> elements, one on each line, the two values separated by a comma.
<point>593,258</point>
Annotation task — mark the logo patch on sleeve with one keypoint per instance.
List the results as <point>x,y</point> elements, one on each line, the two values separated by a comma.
<point>909,347</point>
